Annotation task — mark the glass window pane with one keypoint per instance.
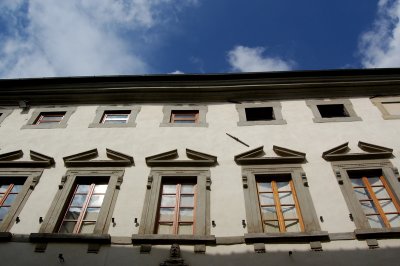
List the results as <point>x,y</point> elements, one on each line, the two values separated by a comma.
<point>168,200</point>
<point>186,214</point>
<point>91,214</point>
<point>67,227</point>
<point>10,199</point>
<point>387,206</point>
<point>3,212</point>
<point>361,193</point>
<point>292,226</point>
<point>169,189</point>
<point>289,212</point>
<point>187,201</point>
<point>166,214</point>
<point>73,213</point>
<point>96,200</point>
<point>368,207</point>
<point>16,189</point>
<point>165,229</point>
<point>100,189</point>
<point>115,121</point>
<point>87,227</point>
<point>380,192</point>
<point>283,186</point>
<point>375,221</point>
<point>264,187</point>
<point>394,220</point>
<point>286,198</point>
<point>116,116</point>
<point>267,199</point>
<point>78,200</point>
<point>268,213</point>
<point>271,226</point>
<point>3,188</point>
<point>187,189</point>
<point>84,189</point>
<point>375,181</point>
<point>185,229</point>
<point>357,182</point>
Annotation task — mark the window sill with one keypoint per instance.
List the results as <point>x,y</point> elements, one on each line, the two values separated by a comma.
<point>172,239</point>
<point>377,233</point>
<point>199,124</point>
<point>70,238</point>
<point>336,119</point>
<point>301,237</point>
<point>261,123</point>
<point>5,236</point>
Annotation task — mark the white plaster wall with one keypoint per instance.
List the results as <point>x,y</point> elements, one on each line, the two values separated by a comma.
<point>227,201</point>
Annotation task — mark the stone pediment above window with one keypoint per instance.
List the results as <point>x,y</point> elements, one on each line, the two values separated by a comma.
<point>11,159</point>
<point>84,159</point>
<point>169,159</point>
<point>341,152</point>
<point>256,156</point>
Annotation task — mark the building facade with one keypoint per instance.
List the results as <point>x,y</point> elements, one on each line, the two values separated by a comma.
<point>231,169</point>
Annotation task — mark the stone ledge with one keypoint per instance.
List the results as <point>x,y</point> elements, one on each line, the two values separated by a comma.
<point>302,237</point>
<point>173,239</point>
<point>377,233</point>
<point>70,238</point>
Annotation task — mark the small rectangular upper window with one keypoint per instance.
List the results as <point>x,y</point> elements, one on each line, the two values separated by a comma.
<point>259,114</point>
<point>50,118</point>
<point>332,110</point>
<point>115,117</point>
<point>184,116</point>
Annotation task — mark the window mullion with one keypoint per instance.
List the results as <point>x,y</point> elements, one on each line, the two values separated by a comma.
<point>389,191</point>
<point>376,201</point>
<point>297,205</point>
<point>177,207</point>
<point>84,208</point>
<point>281,219</point>
<point>6,193</point>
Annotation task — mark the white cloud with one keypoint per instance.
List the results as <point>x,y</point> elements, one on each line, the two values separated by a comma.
<point>246,59</point>
<point>75,37</point>
<point>177,72</point>
<point>380,47</point>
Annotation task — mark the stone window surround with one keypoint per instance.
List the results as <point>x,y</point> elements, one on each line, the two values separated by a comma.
<point>134,110</point>
<point>150,208</point>
<point>4,113</point>
<point>276,109</point>
<point>312,104</point>
<point>169,108</point>
<point>256,234</point>
<point>49,226</point>
<point>364,231</point>
<point>379,103</point>
<point>36,113</point>
<point>32,178</point>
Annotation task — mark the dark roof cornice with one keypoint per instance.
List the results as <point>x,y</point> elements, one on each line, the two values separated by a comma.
<point>192,88</point>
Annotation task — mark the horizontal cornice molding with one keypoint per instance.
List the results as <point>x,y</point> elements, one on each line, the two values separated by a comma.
<point>202,87</point>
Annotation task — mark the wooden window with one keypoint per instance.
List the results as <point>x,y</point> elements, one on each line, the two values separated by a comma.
<point>84,207</point>
<point>9,189</point>
<point>184,116</point>
<point>376,199</point>
<point>50,118</point>
<point>115,117</point>
<point>176,213</point>
<point>279,207</point>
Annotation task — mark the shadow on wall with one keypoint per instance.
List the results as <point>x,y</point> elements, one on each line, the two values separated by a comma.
<point>16,254</point>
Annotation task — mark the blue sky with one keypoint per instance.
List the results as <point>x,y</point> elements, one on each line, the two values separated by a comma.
<point>47,38</point>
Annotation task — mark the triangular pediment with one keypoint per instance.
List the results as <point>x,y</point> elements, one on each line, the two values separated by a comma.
<point>256,156</point>
<point>341,152</point>
<point>11,159</point>
<point>84,159</point>
<point>169,158</point>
